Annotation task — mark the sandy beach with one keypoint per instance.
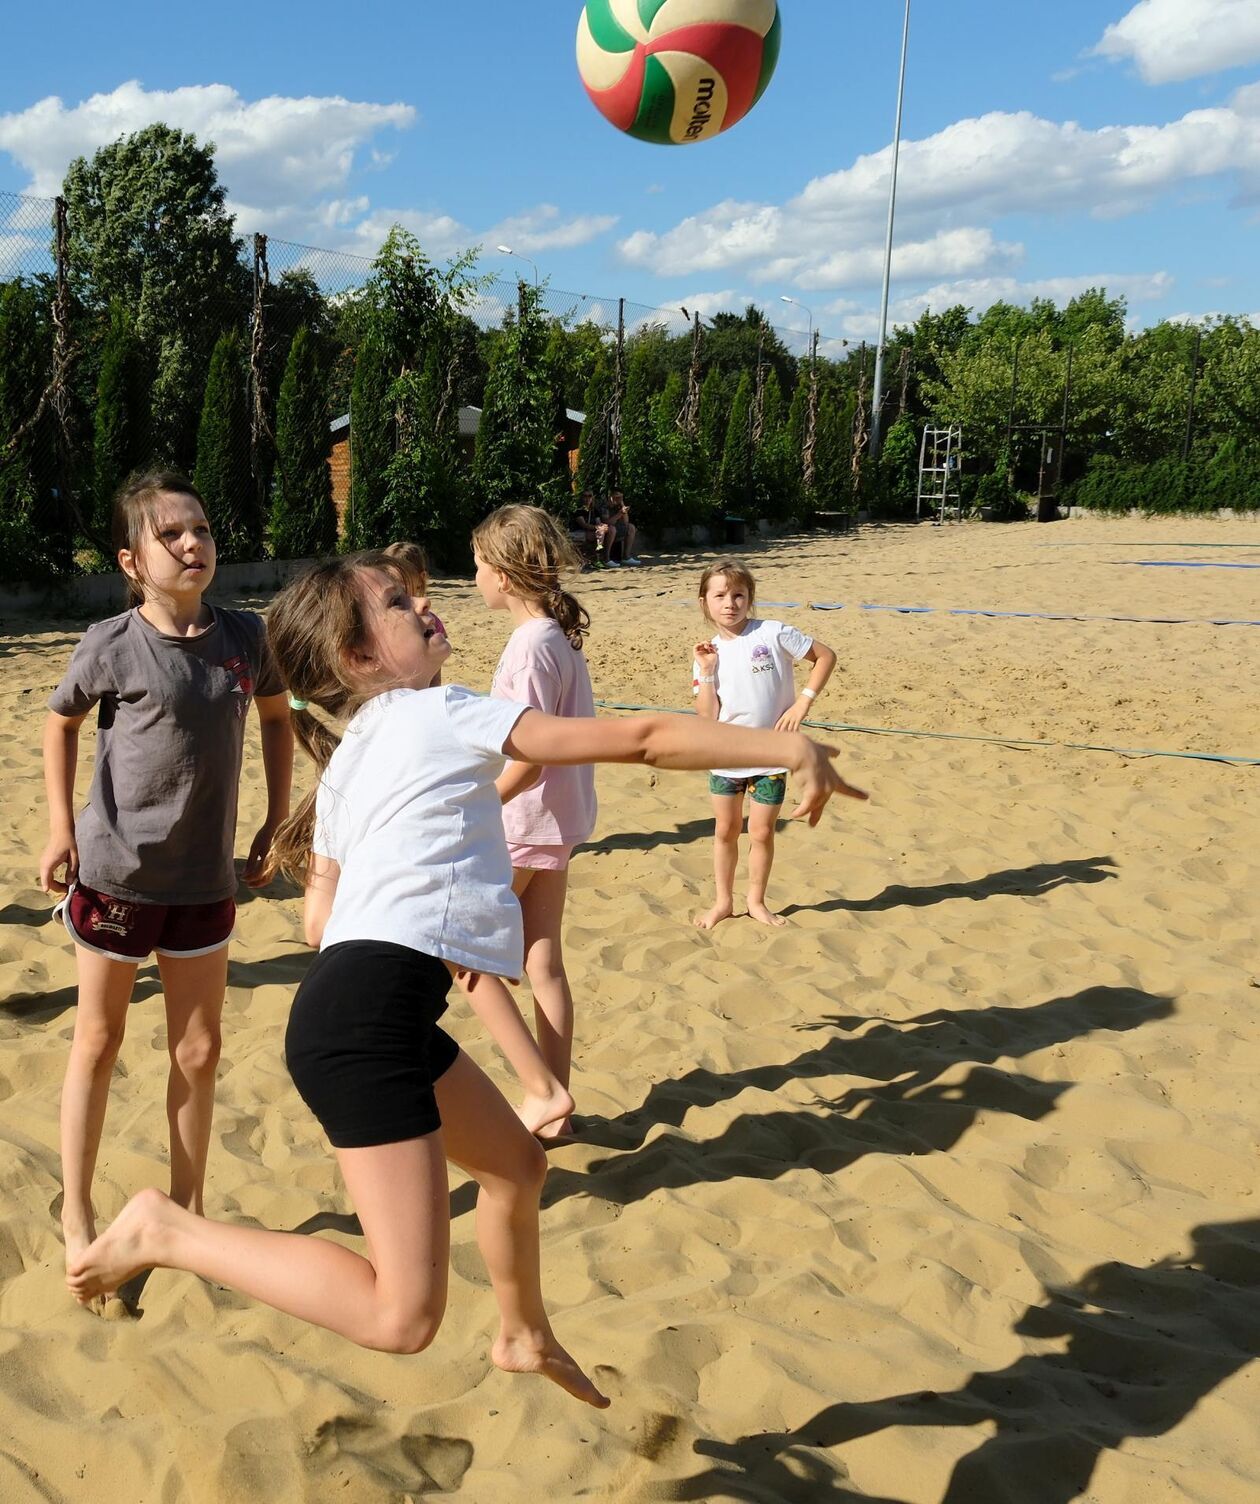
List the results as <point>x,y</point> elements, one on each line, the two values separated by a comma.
<point>942,1194</point>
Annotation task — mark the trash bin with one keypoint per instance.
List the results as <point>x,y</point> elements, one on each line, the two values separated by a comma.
<point>736,530</point>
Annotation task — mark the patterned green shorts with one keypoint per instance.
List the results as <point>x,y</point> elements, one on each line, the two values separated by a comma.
<point>770,788</point>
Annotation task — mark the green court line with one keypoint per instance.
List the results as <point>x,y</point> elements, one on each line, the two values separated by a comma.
<point>958,736</point>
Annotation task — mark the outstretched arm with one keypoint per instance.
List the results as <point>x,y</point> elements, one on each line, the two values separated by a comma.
<point>681,743</point>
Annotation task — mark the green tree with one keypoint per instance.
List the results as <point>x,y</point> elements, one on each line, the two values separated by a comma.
<point>427,495</point>
<point>31,543</point>
<point>222,472</point>
<point>715,396</point>
<point>148,229</point>
<point>173,406</point>
<point>303,521</point>
<point>833,452</point>
<point>736,482</point>
<point>120,432</point>
<point>646,474</point>
<point>594,457</point>
<point>368,523</point>
<point>775,481</point>
<point>515,456</point>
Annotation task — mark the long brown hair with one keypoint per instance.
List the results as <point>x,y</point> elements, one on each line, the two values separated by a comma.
<point>134,516</point>
<point>528,546</point>
<point>312,624</point>
<point>736,574</point>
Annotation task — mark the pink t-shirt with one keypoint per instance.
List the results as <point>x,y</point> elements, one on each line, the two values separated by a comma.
<point>540,667</point>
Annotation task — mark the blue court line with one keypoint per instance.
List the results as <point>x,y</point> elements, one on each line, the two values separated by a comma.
<point>1155,621</point>
<point>1184,563</point>
<point>1170,621</point>
<point>958,736</point>
<point>1159,543</point>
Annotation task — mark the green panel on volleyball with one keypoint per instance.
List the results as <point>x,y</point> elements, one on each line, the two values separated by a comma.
<point>769,54</point>
<point>656,106</point>
<point>648,10</point>
<point>606,29</point>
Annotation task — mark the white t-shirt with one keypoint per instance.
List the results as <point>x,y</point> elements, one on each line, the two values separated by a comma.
<point>408,809</point>
<point>754,679</point>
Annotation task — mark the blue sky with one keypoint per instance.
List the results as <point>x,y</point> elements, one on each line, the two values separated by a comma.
<point>1046,147</point>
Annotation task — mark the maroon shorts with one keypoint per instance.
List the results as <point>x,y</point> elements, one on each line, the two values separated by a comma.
<point>128,931</point>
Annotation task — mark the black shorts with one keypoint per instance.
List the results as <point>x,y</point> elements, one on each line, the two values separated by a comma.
<point>363,1045</point>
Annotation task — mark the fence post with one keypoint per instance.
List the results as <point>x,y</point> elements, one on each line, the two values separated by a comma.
<point>259,428</point>
<point>809,448</point>
<point>1194,382</point>
<point>612,469</point>
<point>859,426</point>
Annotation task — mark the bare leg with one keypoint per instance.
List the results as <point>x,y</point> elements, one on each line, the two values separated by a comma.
<point>547,1099</point>
<point>392,1300</point>
<point>194,988</point>
<point>542,895</point>
<point>728,818</point>
<point>761,823</point>
<point>484,1137</point>
<point>105,988</point>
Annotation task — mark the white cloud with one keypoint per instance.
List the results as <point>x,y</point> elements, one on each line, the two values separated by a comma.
<point>1171,40</point>
<point>271,150</point>
<point>986,167</point>
<point>286,165</point>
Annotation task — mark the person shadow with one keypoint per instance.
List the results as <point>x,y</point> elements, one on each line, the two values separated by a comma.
<point>909,1111</point>
<point>1141,1346</point>
<point>1019,882</point>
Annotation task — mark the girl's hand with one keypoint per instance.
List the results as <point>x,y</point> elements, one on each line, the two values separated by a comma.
<point>61,850</point>
<point>792,717</point>
<point>706,655</point>
<point>259,869</point>
<point>819,781</point>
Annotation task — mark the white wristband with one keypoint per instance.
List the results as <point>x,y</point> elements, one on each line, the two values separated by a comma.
<point>810,694</point>
<point>707,679</point>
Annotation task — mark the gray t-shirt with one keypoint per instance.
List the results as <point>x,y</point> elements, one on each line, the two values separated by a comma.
<point>160,822</point>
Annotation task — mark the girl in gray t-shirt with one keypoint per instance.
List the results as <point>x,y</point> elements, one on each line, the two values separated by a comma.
<point>148,862</point>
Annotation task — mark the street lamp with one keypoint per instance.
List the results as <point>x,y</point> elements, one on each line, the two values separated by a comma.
<point>878,390</point>
<point>508,251</point>
<point>783,298</point>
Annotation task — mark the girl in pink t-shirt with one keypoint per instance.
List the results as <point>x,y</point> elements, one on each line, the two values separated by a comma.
<point>522,556</point>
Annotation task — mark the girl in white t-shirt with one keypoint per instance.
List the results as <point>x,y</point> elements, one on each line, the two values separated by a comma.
<point>522,558</point>
<point>743,677</point>
<point>407,879</point>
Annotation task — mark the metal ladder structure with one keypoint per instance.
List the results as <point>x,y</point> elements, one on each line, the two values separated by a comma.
<point>940,474</point>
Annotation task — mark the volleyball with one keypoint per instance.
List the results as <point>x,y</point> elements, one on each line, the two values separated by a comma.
<point>677,71</point>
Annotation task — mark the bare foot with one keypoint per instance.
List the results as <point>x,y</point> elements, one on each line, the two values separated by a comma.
<point>723,909</point>
<point>561,1131</point>
<point>77,1234</point>
<point>763,915</point>
<point>540,1353</point>
<point>540,1111</point>
<point>122,1250</point>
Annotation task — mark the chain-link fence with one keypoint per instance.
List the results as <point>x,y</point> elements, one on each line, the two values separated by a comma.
<point>115,357</point>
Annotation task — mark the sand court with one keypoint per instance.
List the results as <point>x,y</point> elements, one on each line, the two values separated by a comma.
<point>943,1194</point>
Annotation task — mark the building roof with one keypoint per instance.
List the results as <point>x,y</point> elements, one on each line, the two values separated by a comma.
<point>469,422</point>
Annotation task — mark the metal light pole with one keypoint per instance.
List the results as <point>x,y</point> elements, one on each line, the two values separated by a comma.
<point>783,298</point>
<point>878,392</point>
<point>507,250</point>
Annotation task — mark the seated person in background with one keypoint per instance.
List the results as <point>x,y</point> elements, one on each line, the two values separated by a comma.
<point>589,531</point>
<point>623,530</point>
